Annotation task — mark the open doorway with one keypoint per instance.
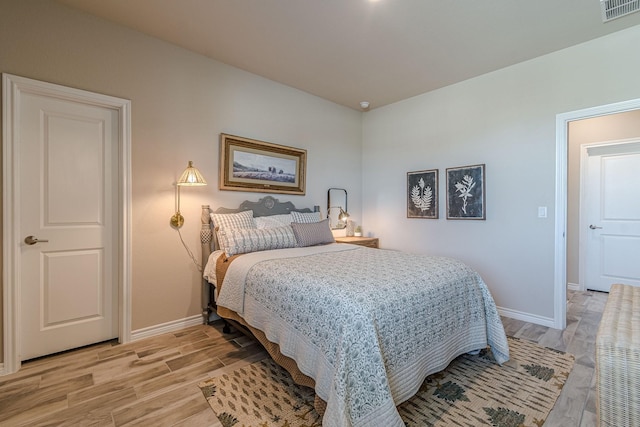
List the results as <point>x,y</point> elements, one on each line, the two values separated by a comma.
<point>619,129</point>
<point>569,127</point>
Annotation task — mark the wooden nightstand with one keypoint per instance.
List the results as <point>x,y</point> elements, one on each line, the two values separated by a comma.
<point>371,242</point>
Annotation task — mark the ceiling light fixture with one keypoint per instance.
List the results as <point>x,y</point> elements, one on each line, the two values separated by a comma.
<point>364,104</point>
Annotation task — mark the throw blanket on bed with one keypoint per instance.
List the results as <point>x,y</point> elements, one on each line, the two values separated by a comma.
<point>368,325</point>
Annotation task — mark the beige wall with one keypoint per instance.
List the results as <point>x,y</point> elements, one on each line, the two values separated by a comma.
<point>506,120</point>
<point>607,128</point>
<point>181,102</point>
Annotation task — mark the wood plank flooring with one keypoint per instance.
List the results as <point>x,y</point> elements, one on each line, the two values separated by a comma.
<point>153,382</point>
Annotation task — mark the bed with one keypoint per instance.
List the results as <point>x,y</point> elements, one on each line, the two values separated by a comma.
<point>362,326</point>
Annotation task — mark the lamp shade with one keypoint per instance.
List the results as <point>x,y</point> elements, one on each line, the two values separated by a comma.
<point>343,215</point>
<point>191,176</point>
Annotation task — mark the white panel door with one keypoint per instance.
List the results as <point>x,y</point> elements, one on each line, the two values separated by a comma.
<point>67,166</point>
<point>613,216</point>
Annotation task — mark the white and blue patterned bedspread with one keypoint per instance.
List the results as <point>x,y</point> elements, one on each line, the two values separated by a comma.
<point>368,325</point>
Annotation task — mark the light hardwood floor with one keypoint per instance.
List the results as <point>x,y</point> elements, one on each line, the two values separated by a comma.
<point>153,382</point>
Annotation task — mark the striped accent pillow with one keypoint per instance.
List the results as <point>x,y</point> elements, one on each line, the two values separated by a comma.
<point>305,217</point>
<point>317,233</point>
<point>233,221</point>
<point>242,241</point>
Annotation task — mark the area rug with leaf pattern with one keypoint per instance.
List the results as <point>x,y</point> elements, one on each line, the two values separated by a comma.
<point>471,391</point>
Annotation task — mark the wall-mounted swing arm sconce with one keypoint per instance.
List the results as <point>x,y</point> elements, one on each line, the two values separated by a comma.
<point>190,177</point>
<point>338,201</point>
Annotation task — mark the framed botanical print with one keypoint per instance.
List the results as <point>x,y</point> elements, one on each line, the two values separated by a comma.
<point>422,194</point>
<point>466,192</point>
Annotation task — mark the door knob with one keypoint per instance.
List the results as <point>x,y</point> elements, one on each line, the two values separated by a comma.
<point>594,227</point>
<point>30,240</point>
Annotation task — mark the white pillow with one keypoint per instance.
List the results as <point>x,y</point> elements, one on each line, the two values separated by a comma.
<point>273,221</point>
<point>305,217</point>
<point>233,221</point>
<point>241,241</point>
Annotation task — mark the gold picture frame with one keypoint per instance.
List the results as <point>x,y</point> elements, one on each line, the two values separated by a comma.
<point>251,165</point>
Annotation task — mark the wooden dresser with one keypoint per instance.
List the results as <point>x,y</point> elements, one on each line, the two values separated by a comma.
<point>370,242</point>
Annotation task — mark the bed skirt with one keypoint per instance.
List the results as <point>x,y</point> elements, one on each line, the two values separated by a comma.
<point>274,351</point>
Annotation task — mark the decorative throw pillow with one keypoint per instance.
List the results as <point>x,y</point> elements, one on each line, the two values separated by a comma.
<point>305,217</point>
<point>242,241</point>
<point>273,221</point>
<point>233,221</point>
<point>311,234</point>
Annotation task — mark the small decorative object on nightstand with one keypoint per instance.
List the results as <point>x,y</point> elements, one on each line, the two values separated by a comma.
<point>358,231</point>
<point>371,242</point>
<point>350,228</point>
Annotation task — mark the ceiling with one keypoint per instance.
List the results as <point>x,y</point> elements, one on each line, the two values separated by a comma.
<point>349,51</point>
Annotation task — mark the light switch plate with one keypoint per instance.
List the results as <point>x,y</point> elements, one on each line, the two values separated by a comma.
<point>542,211</point>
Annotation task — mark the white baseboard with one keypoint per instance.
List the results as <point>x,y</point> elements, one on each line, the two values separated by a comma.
<point>197,320</point>
<point>526,317</point>
<point>574,287</point>
<point>163,328</point>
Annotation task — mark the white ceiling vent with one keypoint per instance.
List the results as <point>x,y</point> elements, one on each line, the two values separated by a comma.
<point>612,9</point>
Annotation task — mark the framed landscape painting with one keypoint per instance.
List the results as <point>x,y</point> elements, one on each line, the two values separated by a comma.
<point>252,165</point>
<point>422,194</point>
<point>465,192</point>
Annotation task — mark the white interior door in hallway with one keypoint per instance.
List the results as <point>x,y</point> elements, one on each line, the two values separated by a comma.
<point>65,237</point>
<point>611,225</point>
